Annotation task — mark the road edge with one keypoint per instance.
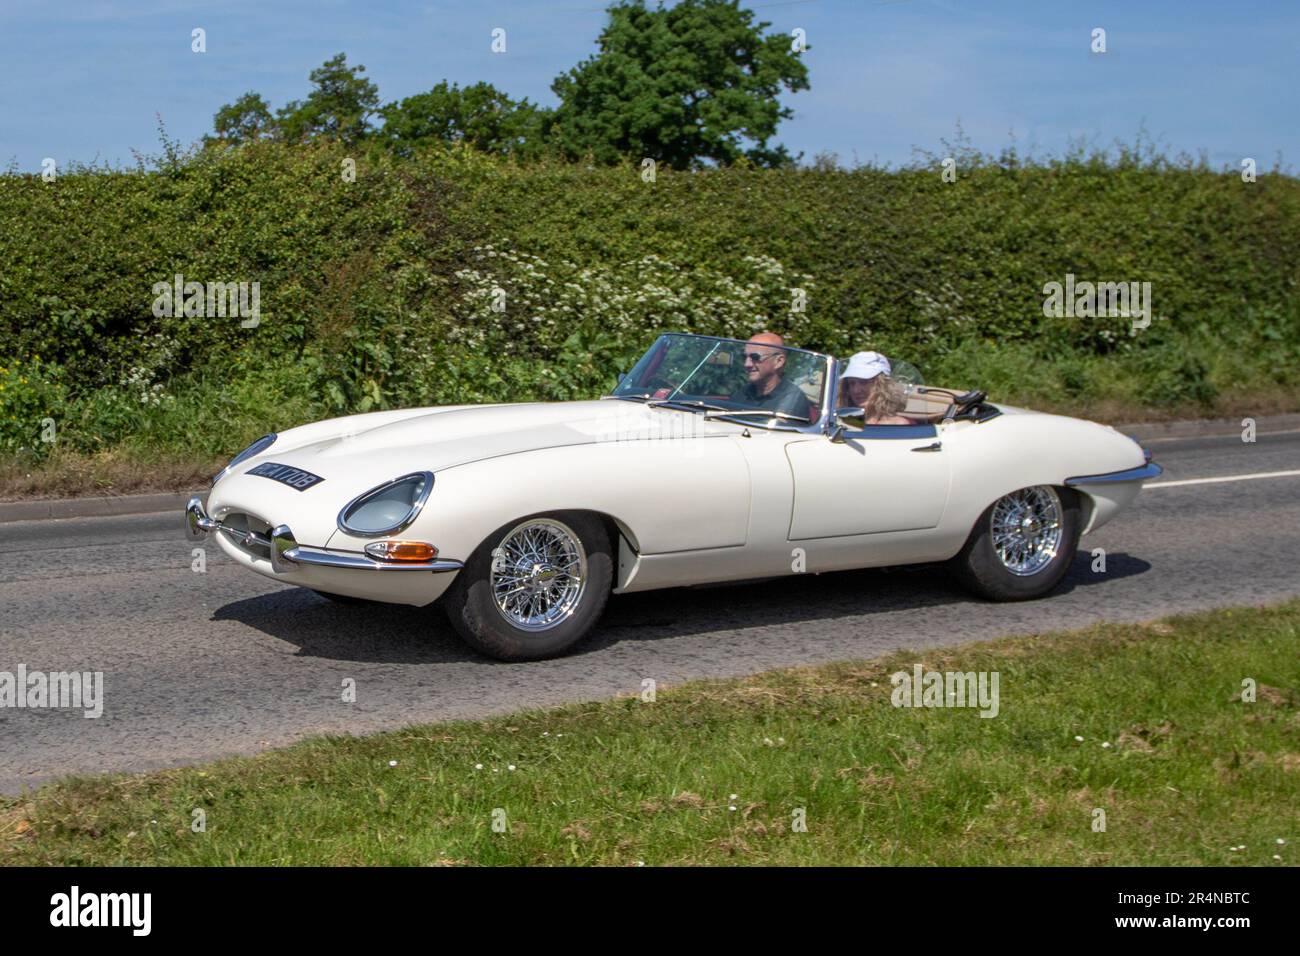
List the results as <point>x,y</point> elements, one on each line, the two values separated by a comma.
<point>98,507</point>
<point>1210,427</point>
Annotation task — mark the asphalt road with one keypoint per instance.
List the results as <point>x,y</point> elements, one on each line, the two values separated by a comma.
<point>198,666</point>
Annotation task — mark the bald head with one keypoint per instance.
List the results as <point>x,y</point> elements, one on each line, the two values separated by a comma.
<point>764,373</point>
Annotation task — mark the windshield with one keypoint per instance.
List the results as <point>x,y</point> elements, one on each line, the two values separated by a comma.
<point>762,383</point>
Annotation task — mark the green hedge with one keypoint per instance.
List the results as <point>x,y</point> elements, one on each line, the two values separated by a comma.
<point>380,291</point>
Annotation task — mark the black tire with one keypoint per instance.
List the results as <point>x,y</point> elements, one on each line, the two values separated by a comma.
<point>473,611</point>
<point>340,598</point>
<point>979,567</point>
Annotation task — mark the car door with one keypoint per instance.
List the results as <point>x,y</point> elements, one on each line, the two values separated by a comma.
<point>881,478</point>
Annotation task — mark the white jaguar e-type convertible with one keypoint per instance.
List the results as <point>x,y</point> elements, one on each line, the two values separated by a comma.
<point>522,518</point>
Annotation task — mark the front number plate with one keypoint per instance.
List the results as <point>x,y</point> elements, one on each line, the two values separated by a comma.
<point>295,478</point>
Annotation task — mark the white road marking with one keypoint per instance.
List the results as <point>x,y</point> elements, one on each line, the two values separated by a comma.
<point>1213,481</point>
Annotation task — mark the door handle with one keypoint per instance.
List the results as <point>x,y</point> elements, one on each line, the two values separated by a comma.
<point>931,447</point>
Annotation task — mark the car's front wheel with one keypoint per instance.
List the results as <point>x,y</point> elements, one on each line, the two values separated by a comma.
<point>1022,544</point>
<point>534,588</point>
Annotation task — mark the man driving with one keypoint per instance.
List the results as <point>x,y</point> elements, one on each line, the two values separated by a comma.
<point>767,387</point>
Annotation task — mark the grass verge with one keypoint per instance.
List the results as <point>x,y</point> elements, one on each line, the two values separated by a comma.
<point>715,772</point>
<point>117,472</point>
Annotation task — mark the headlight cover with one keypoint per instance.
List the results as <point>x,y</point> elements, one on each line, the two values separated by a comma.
<point>388,508</point>
<point>256,448</point>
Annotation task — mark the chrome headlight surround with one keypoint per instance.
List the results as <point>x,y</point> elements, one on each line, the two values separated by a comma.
<point>256,448</point>
<point>422,485</point>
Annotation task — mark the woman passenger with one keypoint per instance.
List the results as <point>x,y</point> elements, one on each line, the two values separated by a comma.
<point>866,383</point>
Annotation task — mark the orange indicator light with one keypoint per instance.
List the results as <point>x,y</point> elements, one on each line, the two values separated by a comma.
<point>402,551</point>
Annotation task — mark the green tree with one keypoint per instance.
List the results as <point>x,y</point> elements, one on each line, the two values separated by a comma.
<point>682,84</point>
<point>479,115</point>
<point>339,107</point>
<point>246,119</point>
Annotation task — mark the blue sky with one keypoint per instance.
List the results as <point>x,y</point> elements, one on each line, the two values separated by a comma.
<point>83,79</point>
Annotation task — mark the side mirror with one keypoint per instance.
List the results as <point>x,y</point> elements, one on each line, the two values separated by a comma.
<point>619,380</point>
<point>848,411</point>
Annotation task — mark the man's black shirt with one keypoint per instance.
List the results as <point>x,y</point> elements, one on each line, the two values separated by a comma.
<point>786,397</point>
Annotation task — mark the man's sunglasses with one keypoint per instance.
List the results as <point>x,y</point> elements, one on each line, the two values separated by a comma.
<point>756,357</point>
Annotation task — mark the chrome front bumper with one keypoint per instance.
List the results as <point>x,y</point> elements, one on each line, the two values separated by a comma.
<point>1144,473</point>
<point>287,554</point>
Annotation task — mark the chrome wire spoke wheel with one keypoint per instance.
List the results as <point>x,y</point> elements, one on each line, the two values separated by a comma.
<point>1027,528</point>
<point>539,571</point>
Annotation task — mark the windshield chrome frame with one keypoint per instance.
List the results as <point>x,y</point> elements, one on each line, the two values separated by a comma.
<point>741,417</point>
<point>827,422</point>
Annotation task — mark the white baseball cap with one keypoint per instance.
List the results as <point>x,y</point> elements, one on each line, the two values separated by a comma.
<point>866,365</point>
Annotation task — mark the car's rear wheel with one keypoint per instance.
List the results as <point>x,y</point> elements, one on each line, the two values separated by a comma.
<point>1022,544</point>
<point>534,588</point>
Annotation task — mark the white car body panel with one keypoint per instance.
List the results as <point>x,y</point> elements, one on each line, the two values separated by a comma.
<point>863,487</point>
